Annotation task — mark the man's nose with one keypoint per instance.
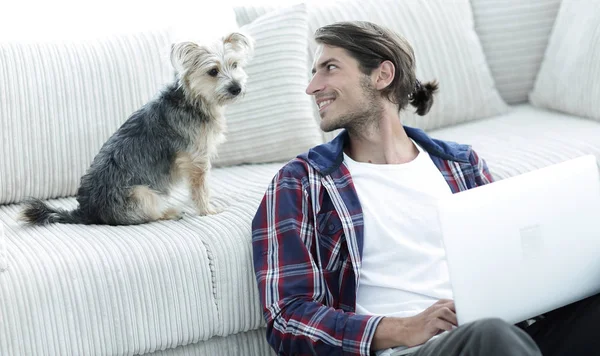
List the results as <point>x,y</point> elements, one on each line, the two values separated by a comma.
<point>314,86</point>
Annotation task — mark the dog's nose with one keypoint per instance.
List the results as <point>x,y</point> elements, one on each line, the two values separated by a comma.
<point>234,89</point>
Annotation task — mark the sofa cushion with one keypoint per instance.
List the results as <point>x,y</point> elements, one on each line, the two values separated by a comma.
<point>274,121</point>
<point>83,290</point>
<point>446,48</point>
<point>569,78</point>
<point>62,100</point>
<point>514,35</point>
<point>526,139</point>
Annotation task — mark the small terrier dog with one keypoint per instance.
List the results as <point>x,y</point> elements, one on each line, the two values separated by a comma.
<point>170,138</point>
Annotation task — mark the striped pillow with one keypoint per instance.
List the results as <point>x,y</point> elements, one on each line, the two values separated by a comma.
<point>61,101</point>
<point>274,121</point>
<point>514,35</point>
<point>244,14</point>
<point>569,78</point>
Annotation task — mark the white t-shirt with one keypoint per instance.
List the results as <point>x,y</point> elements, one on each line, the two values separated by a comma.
<point>404,268</point>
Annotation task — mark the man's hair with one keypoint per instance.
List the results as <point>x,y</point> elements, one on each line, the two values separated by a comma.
<point>370,45</point>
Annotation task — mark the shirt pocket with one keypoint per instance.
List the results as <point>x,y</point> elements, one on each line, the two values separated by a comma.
<point>330,237</point>
<point>329,223</point>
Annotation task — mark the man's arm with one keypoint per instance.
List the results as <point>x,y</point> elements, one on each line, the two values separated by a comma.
<point>290,280</point>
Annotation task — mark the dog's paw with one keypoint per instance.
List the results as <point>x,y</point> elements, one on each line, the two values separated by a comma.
<point>172,214</point>
<point>211,210</point>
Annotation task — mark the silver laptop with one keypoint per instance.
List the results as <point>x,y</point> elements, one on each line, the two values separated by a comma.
<point>524,245</point>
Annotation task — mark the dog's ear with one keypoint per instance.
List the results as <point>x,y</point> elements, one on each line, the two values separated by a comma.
<point>240,42</point>
<point>184,55</point>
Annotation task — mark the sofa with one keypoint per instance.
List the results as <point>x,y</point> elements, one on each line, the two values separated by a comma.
<point>519,81</point>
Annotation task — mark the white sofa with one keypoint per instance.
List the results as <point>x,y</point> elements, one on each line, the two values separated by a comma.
<point>518,81</point>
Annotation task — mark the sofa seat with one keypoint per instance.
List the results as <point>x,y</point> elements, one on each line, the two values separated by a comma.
<point>525,139</point>
<point>249,343</point>
<point>102,290</point>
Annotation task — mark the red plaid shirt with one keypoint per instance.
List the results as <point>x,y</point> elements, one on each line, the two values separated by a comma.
<point>307,239</point>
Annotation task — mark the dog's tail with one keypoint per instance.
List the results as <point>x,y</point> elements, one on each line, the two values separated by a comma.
<point>36,212</point>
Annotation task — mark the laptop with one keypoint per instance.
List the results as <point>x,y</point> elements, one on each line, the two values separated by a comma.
<point>525,245</point>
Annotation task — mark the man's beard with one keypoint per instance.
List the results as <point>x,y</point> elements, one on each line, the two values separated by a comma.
<point>365,114</point>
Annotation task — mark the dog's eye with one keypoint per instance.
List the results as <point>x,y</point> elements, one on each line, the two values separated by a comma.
<point>234,65</point>
<point>213,72</point>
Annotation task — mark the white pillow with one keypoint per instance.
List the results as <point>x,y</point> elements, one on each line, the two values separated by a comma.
<point>245,14</point>
<point>569,78</point>
<point>446,48</point>
<point>60,101</point>
<point>514,35</point>
<point>274,121</point>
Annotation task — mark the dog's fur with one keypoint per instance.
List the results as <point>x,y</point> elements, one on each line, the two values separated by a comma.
<point>172,137</point>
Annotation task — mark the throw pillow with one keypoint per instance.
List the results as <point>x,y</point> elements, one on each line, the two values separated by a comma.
<point>514,35</point>
<point>274,121</point>
<point>569,78</point>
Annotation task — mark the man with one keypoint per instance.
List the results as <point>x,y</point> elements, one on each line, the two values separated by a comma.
<point>347,251</point>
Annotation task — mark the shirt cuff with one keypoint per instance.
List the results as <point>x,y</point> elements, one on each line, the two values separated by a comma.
<point>358,333</point>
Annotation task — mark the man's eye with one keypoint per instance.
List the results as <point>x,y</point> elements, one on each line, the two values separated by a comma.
<point>213,72</point>
<point>331,66</point>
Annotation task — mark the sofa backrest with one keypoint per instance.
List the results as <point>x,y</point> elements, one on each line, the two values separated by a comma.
<point>60,101</point>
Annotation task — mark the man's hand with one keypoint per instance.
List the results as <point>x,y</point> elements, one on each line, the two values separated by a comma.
<point>434,320</point>
<point>415,330</point>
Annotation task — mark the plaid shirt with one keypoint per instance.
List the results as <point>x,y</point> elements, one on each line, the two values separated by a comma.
<point>307,239</point>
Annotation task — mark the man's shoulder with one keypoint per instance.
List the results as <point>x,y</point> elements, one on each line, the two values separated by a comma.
<point>326,157</point>
<point>462,152</point>
<point>312,162</point>
<point>297,167</point>
<point>444,149</point>
<point>457,148</point>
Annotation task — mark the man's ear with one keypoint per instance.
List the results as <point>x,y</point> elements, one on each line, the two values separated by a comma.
<point>385,75</point>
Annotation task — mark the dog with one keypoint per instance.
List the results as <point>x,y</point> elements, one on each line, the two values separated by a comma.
<point>171,138</point>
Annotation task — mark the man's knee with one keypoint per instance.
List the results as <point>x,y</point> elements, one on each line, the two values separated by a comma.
<point>494,336</point>
<point>491,326</point>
